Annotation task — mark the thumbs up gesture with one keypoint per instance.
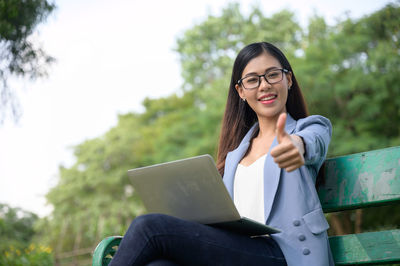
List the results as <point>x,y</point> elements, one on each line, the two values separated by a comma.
<point>288,154</point>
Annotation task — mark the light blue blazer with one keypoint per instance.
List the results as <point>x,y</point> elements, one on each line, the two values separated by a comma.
<point>291,202</point>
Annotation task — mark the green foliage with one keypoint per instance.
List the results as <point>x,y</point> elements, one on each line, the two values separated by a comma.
<point>18,55</point>
<point>207,50</point>
<point>349,72</point>
<point>16,226</point>
<point>31,256</point>
<point>16,234</point>
<point>379,217</point>
<point>93,197</point>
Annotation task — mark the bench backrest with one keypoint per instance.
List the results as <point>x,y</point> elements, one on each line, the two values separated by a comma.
<point>361,180</point>
<point>357,181</point>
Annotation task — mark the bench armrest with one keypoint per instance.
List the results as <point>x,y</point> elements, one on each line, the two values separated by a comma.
<point>105,250</point>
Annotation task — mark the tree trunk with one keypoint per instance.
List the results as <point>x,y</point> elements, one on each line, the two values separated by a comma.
<point>358,221</point>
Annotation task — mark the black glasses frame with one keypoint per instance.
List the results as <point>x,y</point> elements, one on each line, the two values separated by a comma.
<point>240,81</point>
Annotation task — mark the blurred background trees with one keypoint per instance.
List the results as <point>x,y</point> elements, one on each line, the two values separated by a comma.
<point>20,55</point>
<point>17,232</point>
<point>349,72</point>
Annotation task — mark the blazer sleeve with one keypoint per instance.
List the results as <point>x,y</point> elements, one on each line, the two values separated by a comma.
<point>316,132</point>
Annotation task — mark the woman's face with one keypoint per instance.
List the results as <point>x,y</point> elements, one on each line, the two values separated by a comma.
<point>268,101</point>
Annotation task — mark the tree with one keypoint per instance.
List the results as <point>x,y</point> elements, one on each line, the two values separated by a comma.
<point>16,234</point>
<point>16,225</point>
<point>350,73</point>
<point>19,56</point>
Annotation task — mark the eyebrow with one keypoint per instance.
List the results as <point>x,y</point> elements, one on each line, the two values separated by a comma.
<point>255,73</point>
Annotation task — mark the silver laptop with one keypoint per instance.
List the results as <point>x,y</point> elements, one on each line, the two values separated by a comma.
<point>192,189</point>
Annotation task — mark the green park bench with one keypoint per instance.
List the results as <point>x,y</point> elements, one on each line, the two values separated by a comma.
<point>351,182</point>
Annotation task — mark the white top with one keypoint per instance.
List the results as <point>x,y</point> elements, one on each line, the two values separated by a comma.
<point>248,190</point>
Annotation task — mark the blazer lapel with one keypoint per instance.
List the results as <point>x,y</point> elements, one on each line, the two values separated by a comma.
<point>233,158</point>
<point>272,172</point>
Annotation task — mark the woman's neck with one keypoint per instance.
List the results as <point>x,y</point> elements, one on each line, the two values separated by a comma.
<point>267,126</point>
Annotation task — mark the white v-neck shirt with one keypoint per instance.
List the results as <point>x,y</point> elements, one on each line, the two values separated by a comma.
<point>248,190</point>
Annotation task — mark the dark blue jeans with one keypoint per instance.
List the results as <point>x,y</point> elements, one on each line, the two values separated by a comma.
<point>157,239</point>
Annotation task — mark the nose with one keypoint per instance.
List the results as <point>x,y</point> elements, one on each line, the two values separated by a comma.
<point>264,84</point>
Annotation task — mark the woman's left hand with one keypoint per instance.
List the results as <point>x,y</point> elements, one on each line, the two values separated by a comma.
<point>288,154</point>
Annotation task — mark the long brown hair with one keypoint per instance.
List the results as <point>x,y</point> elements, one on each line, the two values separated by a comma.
<point>239,117</point>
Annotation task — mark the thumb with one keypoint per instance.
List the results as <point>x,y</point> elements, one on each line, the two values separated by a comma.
<point>280,127</point>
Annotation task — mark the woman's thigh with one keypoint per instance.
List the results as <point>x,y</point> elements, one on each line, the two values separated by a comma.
<point>157,236</point>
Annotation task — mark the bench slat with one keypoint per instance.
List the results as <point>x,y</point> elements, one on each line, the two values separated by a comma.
<point>377,182</point>
<point>366,248</point>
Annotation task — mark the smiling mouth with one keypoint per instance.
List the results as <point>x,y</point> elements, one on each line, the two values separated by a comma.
<point>268,98</point>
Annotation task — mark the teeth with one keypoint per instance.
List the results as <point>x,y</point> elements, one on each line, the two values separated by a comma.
<point>267,98</point>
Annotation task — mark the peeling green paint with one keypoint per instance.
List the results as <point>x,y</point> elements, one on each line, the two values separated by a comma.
<point>363,179</point>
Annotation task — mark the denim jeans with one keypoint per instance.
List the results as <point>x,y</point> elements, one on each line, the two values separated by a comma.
<point>157,239</point>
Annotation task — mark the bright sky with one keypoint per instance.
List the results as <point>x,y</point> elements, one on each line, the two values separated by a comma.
<point>103,50</point>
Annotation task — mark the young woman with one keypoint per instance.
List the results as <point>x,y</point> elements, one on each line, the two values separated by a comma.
<point>269,155</point>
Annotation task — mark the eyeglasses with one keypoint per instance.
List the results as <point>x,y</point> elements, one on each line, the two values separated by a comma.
<point>253,81</point>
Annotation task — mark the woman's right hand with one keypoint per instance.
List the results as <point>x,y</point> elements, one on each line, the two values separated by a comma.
<point>289,153</point>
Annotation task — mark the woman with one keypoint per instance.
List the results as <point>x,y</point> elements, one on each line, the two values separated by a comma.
<point>269,155</point>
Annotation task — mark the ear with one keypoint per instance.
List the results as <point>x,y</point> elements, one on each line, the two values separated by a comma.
<point>289,79</point>
<point>239,89</point>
